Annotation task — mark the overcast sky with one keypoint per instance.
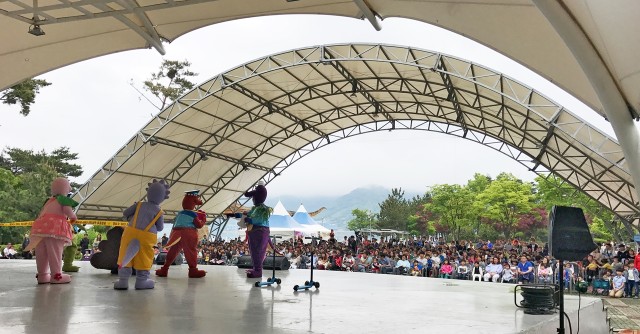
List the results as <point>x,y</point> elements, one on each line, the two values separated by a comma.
<point>92,108</point>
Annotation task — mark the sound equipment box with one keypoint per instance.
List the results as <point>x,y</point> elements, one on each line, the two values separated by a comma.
<point>569,236</point>
<point>282,263</point>
<point>160,259</point>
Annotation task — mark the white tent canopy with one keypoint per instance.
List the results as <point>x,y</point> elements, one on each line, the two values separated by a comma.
<point>303,217</point>
<point>282,224</point>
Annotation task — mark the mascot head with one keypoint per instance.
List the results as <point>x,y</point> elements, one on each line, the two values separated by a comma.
<point>191,200</point>
<point>259,194</point>
<point>157,192</point>
<point>60,186</point>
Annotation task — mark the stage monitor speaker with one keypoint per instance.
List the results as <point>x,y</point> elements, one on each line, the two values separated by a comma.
<point>160,259</point>
<point>282,263</point>
<point>569,236</point>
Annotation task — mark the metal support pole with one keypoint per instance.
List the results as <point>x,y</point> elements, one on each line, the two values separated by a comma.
<point>615,107</point>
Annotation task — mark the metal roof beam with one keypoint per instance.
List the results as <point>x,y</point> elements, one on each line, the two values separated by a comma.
<point>545,141</point>
<point>204,153</point>
<point>368,14</point>
<point>356,83</point>
<point>274,108</point>
<point>451,91</point>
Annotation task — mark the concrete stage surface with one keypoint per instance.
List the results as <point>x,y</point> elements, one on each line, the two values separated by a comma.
<point>225,301</point>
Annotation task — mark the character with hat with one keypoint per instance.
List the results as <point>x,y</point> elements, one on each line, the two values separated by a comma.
<point>184,235</point>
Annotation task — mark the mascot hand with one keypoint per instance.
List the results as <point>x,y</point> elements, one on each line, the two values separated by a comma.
<point>242,223</point>
<point>202,215</point>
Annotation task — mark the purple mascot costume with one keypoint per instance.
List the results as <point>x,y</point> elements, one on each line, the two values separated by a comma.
<point>258,228</point>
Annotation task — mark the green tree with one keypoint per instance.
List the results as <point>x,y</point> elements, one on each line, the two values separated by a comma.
<point>362,219</point>
<point>599,231</point>
<point>478,184</point>
<point>395,211</point>
<point>451,204</point>
<point>504,200</point>
<point>20,161</point>
<point>25,181</point>
<point>170,82</point>
<point>23,93</point>
<point>418,222</point>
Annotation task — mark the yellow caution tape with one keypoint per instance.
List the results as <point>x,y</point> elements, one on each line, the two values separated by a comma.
<point>80,221</point>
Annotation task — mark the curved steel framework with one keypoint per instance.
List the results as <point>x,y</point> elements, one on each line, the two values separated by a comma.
<point>257,119</point>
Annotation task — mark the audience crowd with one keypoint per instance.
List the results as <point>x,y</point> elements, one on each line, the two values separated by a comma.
<point>604,270</point>
<point>609,269</point>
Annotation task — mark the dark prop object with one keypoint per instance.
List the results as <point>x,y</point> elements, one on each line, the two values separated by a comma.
<point>107,257</point>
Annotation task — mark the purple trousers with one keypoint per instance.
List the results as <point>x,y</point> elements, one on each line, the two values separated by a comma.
<point>258,240</point>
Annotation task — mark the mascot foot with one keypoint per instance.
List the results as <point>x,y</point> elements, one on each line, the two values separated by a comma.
<point>163,272</point>
<point>253,274</point>
<point>123,279</point>
<point>195,273</point>
<point>70,268</point>
<point>60,278</point>
<point>43,278</point>
<point>142,280</point>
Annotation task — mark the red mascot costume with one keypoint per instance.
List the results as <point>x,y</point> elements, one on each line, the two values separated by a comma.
<point>184,236</point>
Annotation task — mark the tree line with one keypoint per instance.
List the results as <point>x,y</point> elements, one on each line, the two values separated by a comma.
<point>487,208</point>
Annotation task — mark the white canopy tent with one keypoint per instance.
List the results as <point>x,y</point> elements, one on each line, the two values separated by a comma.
<point>303,217</point>
<point>282,224</point>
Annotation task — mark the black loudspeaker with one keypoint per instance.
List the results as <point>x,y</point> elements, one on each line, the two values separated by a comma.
<point>569,236</point>
<point>160,259</point>
<point>282,263</point>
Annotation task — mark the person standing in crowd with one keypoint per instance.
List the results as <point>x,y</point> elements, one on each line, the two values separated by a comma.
<point>25,242</point>
<point>84,244</point>
<point>96,242</point>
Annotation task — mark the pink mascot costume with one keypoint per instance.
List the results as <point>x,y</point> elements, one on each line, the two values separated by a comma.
<point>51,232</point>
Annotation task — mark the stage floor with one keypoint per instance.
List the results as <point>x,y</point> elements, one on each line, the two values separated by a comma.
<point>227,302</point>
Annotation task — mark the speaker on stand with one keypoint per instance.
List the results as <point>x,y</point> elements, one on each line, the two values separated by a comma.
<point>282,263</point>
<point>569,240</point>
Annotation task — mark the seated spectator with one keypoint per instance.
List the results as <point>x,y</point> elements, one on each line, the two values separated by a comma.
<point>508,274</point>
<point>545,272</point>
<point>402,266</point>
<point>463,270</point>
<point>386,265</point>
<point>493,271</point>
<point>349,263</point>
<point>618,285</point>
<point>525,270</point>
<point>10,252</point>
<point>476,272</point>
<point>322,262</point>
<point>416,268</point>
<point>446,269</point>
<point>375,266</point>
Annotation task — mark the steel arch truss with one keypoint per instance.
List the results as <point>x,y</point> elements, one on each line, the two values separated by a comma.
<point>257,119</point>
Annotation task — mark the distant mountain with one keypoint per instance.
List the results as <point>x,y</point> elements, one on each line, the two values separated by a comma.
<point>339,208</point>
